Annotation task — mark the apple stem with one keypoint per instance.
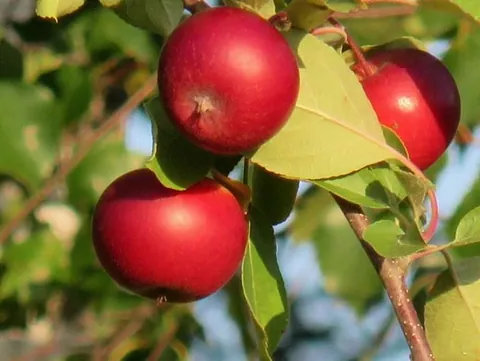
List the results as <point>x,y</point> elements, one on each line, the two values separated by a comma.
<point>368,69</point>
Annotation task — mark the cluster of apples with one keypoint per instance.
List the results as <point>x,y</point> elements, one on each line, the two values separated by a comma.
<point>229,81</point>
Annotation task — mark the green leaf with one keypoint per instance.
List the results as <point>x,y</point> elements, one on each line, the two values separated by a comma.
<point>53,9</point>
<point>346,269</point>
<point>176,161</point>
<point>40,259</point>
<point>452,313</point>
<point>309,212</point>
<point>306,15</point>
<point>470,201</point>
<point>11,61</point>
<point>39,61</point>
<point>428,21</point>
<point>310,14</point>
<point>470,7</point>
<point>107,160</point>
<point>263,284</point>
<point>30,129</point>
<point>462,61</point>
<point>273,195</point>
<point>76,87</point>
<point>389,240</point>
<point>264,8</point>
<point>374,187</point>
<point>239,313</point>
<point>105,31</point>
<point>333,130</point>
<point>468,230</point>
<point>157,16</point>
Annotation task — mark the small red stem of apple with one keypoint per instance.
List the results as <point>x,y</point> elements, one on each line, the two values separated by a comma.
<point>368,69</point>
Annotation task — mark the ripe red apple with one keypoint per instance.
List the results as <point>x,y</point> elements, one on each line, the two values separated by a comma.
<point>415,95</point>
<point>228,80</point>
<point>173,246</point>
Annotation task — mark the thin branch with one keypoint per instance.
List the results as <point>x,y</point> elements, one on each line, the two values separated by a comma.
<point>402,2</point>
<point>195,6</point>
<point>163,342</point>
<point>392,274</point>
<point>135,323</point>
<point>113,121</point>
<point>373,13</point>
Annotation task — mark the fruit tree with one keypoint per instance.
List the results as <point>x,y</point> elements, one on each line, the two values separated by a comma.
<point>163,164</point>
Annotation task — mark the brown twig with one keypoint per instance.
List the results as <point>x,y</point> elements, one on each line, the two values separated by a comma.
<point>392,274</point>
<point>113,121</point>
<point>373,13</point>
<point>195,6</point>
<point>136,320</point>
<point>163,342</point>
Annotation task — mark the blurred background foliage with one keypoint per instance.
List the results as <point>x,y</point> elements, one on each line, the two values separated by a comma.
<point>59,82</point>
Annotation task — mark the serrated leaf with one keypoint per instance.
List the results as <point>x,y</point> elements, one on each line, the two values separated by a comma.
<point>40,259</point>
<point>347,272</point>
<point>452,313</point>
<point>263,284</point>
<point>333,130</point>
<point>107,160</point>
<point>30,128</point>
<point>264,8</point>
<point>158,16</point>
<point>176,161</point>
<point>53,9</point>
<point>273,195</point>
<point>389,240</point>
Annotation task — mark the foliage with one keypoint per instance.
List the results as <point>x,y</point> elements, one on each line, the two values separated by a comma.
<point>64,73</point>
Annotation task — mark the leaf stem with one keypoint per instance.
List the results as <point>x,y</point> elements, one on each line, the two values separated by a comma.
<point>368,69</point>
<point>392,273</point>
<point>64,169</point>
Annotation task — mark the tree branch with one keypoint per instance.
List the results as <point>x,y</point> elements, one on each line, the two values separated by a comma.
<point>64,169</point>
<point>392,274</point>
<point>372,13</point>
<point>195,6</point>
<point>163,342</point>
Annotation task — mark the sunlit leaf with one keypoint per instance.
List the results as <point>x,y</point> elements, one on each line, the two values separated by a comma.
<point>452,313</point>
<point>263,284</point>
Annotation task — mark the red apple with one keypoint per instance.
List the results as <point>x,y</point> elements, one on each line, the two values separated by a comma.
<point>174,246</point>
<point>414,95</point>
<point>228,80</point>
